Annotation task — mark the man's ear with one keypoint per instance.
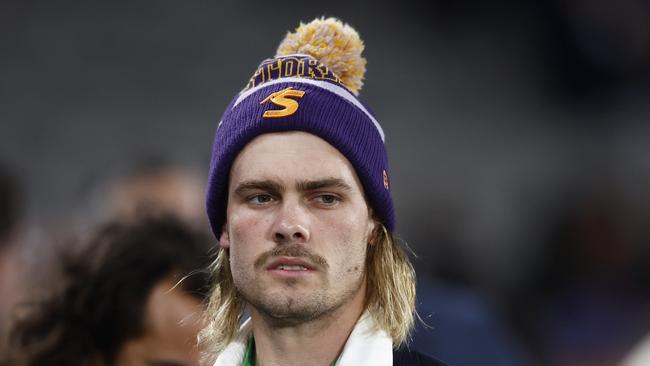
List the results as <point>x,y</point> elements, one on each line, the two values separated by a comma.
<point>373,223</point>
<point>224,240</point>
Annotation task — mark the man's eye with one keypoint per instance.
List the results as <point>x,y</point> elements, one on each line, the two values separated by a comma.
<point>328,199</point>
<point>260,199</point>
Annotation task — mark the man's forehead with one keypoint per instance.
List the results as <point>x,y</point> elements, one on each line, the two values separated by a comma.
<point>291,156</point>
<point>291,142</point>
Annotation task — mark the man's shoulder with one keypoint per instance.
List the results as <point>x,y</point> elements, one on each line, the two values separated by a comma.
<point>409,357</point>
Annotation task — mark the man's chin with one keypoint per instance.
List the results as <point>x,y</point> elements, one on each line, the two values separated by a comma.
<point>289,310</point>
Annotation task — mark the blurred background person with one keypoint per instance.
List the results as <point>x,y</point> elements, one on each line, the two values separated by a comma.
<point>132,296</point>
<point>456,319</point>
<point>640,355</point>
<point>587,302</point>
<point>11,211</point>
<point>155,186</point>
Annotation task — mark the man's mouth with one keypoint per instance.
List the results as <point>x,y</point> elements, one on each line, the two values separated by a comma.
<point>290,264</point>
<point>287,267</point>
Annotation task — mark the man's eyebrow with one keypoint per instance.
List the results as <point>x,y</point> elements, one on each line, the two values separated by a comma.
<point>312,185</point>
<point>262,185</point>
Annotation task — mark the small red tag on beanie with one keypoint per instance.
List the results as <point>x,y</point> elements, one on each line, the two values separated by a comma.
<point>385,179</point>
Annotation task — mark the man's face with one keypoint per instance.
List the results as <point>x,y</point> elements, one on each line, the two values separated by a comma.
<point>297,228</point>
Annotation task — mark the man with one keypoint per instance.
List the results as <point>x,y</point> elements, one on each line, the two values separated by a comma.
<point>299,199</point>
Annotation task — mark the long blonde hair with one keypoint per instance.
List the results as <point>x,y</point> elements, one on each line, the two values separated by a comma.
<point>390,295</point>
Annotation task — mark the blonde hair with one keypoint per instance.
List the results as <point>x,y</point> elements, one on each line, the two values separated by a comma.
<point>390,295</point>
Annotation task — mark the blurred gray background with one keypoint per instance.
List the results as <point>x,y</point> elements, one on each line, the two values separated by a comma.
<point>501,117</point>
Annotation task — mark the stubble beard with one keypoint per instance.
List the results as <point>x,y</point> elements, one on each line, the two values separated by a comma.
<point>281,308</point>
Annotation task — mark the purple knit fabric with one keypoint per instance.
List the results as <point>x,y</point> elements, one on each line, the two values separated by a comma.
<point>322,113</point>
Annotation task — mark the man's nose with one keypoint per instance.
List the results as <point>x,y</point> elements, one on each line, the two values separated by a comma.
<point>291,225</point>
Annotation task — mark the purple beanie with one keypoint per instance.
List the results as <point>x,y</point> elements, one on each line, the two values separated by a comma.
<point>315,100</point>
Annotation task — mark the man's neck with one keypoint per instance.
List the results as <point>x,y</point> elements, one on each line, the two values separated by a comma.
<point>319,341</point>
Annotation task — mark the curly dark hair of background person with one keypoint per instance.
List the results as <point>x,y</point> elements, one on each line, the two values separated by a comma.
<point>103,302</point>
<point>11,203</point>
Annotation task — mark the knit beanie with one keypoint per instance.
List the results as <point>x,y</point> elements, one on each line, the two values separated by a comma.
<point>311,85</point>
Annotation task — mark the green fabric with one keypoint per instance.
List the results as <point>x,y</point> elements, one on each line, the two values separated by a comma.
<point>249,355</point>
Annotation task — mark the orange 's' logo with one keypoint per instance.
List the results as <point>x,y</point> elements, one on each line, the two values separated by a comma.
<point>281,98</point>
